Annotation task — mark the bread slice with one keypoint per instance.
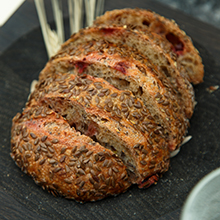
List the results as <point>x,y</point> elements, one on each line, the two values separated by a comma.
<point>140,44</point>
<point>62,160</point>
<point>99,110</point>
<point>174,39</point>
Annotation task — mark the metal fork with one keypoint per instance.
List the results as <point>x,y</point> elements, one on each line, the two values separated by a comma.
<point>53,39</point>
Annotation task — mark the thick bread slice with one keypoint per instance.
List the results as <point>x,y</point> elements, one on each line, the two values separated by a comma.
<point>129,74</point>
<point>99,110</point>
<point>62,160</point>
<point>139,43</point>
<point>174,39</point>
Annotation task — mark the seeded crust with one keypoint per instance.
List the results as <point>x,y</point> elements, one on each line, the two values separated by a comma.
<point>146,47</point>
<point>173,38</point>
<point>129,74</point>
<point>62,160</point>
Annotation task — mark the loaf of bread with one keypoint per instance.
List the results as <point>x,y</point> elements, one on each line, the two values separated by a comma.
<point>106,112</point>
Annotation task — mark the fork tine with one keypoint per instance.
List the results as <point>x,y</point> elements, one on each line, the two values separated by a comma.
<point>99,8</point>
<point>75,15</point>
<point>90,11</point>
<point>78,14</point>
<point>43,22</point>
<point>58,15</point>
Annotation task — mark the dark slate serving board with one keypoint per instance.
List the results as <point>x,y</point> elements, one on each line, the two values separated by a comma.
<point>20,198</point>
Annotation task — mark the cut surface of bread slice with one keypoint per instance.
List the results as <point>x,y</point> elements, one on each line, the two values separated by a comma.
<point>62,160</point>
<point>174,39</point>
<point>99,110</point>
<point>138,43</point>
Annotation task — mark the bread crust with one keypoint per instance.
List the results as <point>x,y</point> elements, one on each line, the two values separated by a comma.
<point>173,39</point>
